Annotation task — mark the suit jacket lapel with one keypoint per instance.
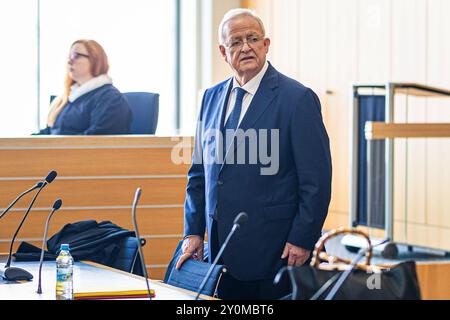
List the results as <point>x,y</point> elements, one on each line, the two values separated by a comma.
<point>260,102</point>
<point>219,116</point>
<point>262,99</point>
<point>224,95</point>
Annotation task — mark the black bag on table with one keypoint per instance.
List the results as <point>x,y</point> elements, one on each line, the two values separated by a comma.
<point>365,282</point>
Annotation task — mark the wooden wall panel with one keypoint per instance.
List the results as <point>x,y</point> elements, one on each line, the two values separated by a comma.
<point>312,46</point>
<point>418,234</point>
<point>335,220</point>
<point>438,182</point>
<point>160,250</point>
<point>4,245</point>
<point>400,232</point>
<point>84,193</point>
<point>67,162</point>
<point>409,49</point>
<point>154,221</point>
<point>341,72</point>
<point>438,150</point>
<point>90,142</point>
<point>97,179</point>
<point>156,273</point>
<point>286,60</point>
<point>409,41</point>
<point>374,41</point>
<point>433,280</point>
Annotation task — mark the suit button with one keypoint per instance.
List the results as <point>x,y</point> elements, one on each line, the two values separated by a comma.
<point>220,182</point>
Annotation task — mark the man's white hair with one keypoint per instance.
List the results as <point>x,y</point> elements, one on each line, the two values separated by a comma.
<point>234,13</point>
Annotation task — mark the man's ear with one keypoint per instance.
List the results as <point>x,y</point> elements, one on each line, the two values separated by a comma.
<point>267,44</point>
<point>222,52</point>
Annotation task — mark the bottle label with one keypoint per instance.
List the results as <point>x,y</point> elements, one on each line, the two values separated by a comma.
<point>63,275</point>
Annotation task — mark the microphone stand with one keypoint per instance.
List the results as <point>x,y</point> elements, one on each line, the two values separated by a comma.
<point>55,207</point>
<point>138,239</point>
<point>277,279</point>
<point>8,263</point>
<point>346,273</point>
<point>240,219</point>
<point>38,185</point>
<point>340,278</point>
<point>10,273</point>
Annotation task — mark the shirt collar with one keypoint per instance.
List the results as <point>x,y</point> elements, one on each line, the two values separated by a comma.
<point>77,91</point>
<point>252,85</point>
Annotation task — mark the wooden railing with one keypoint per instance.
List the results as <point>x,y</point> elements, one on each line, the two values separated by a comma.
<point>382,130</point>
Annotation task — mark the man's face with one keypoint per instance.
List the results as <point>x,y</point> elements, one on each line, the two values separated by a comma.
<point>244,49</point>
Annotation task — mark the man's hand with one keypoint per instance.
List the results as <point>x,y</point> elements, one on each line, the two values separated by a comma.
<point>297,256</point>
<point>192,247</point>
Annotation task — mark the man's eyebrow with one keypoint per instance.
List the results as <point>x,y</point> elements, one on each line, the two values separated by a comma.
<point>246,35</point>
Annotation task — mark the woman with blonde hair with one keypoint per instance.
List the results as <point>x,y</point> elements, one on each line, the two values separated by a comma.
<point>90,104</point>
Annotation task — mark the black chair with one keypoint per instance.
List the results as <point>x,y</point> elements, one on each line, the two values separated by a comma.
<point>145,109</point>
<point>128,258</point>
<point>192,273</point>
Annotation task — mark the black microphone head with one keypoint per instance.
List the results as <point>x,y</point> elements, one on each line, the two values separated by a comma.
<point>57,204</point>
<point>51,176</point>
<point>241,219</point>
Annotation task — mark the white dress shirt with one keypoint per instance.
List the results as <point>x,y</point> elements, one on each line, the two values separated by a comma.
<point>251,87</point>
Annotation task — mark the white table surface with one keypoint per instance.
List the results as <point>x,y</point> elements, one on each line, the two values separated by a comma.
<point>87,277</point>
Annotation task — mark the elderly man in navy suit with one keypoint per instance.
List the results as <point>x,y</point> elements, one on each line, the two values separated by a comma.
<point>242,120</point>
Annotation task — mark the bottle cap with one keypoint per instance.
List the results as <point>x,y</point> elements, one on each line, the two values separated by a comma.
<point>65,246</point>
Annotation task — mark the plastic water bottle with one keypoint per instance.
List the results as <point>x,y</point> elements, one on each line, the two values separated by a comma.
<point>64,274</point>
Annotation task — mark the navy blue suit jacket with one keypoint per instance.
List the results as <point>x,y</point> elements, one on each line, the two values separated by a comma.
<point>102,111</point>
<point>288,206</point>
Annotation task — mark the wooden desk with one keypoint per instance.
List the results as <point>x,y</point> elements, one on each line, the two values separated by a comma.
<point>87,277</point>
<point>97,179</point>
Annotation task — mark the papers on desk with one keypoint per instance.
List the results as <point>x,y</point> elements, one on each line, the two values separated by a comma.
<point>109,295</point>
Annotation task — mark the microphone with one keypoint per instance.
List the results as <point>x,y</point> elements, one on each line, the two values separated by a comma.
<point>17,273</point>
<point>50,177</point>
<point>339,277</point>
<point>238,222</point>
<point>138,239</point>
<point>36,186</point>
<point>56,206</point>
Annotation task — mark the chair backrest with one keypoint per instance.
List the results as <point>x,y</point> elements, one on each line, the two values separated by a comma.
<point>192,273</point>
<point>145,109</point>
<point>128,256</point>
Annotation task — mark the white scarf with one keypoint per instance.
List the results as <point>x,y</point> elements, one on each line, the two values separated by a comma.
<point>77,90</point>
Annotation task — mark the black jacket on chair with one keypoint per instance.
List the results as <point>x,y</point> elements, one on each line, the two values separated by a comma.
<point>88,240</point>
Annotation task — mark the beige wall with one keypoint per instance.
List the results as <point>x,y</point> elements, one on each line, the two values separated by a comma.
<point>215,69</point>
<point>328,45</point>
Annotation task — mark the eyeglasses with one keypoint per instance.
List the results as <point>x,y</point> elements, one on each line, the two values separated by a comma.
<point>77,55</point>
<point>237,44</point>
